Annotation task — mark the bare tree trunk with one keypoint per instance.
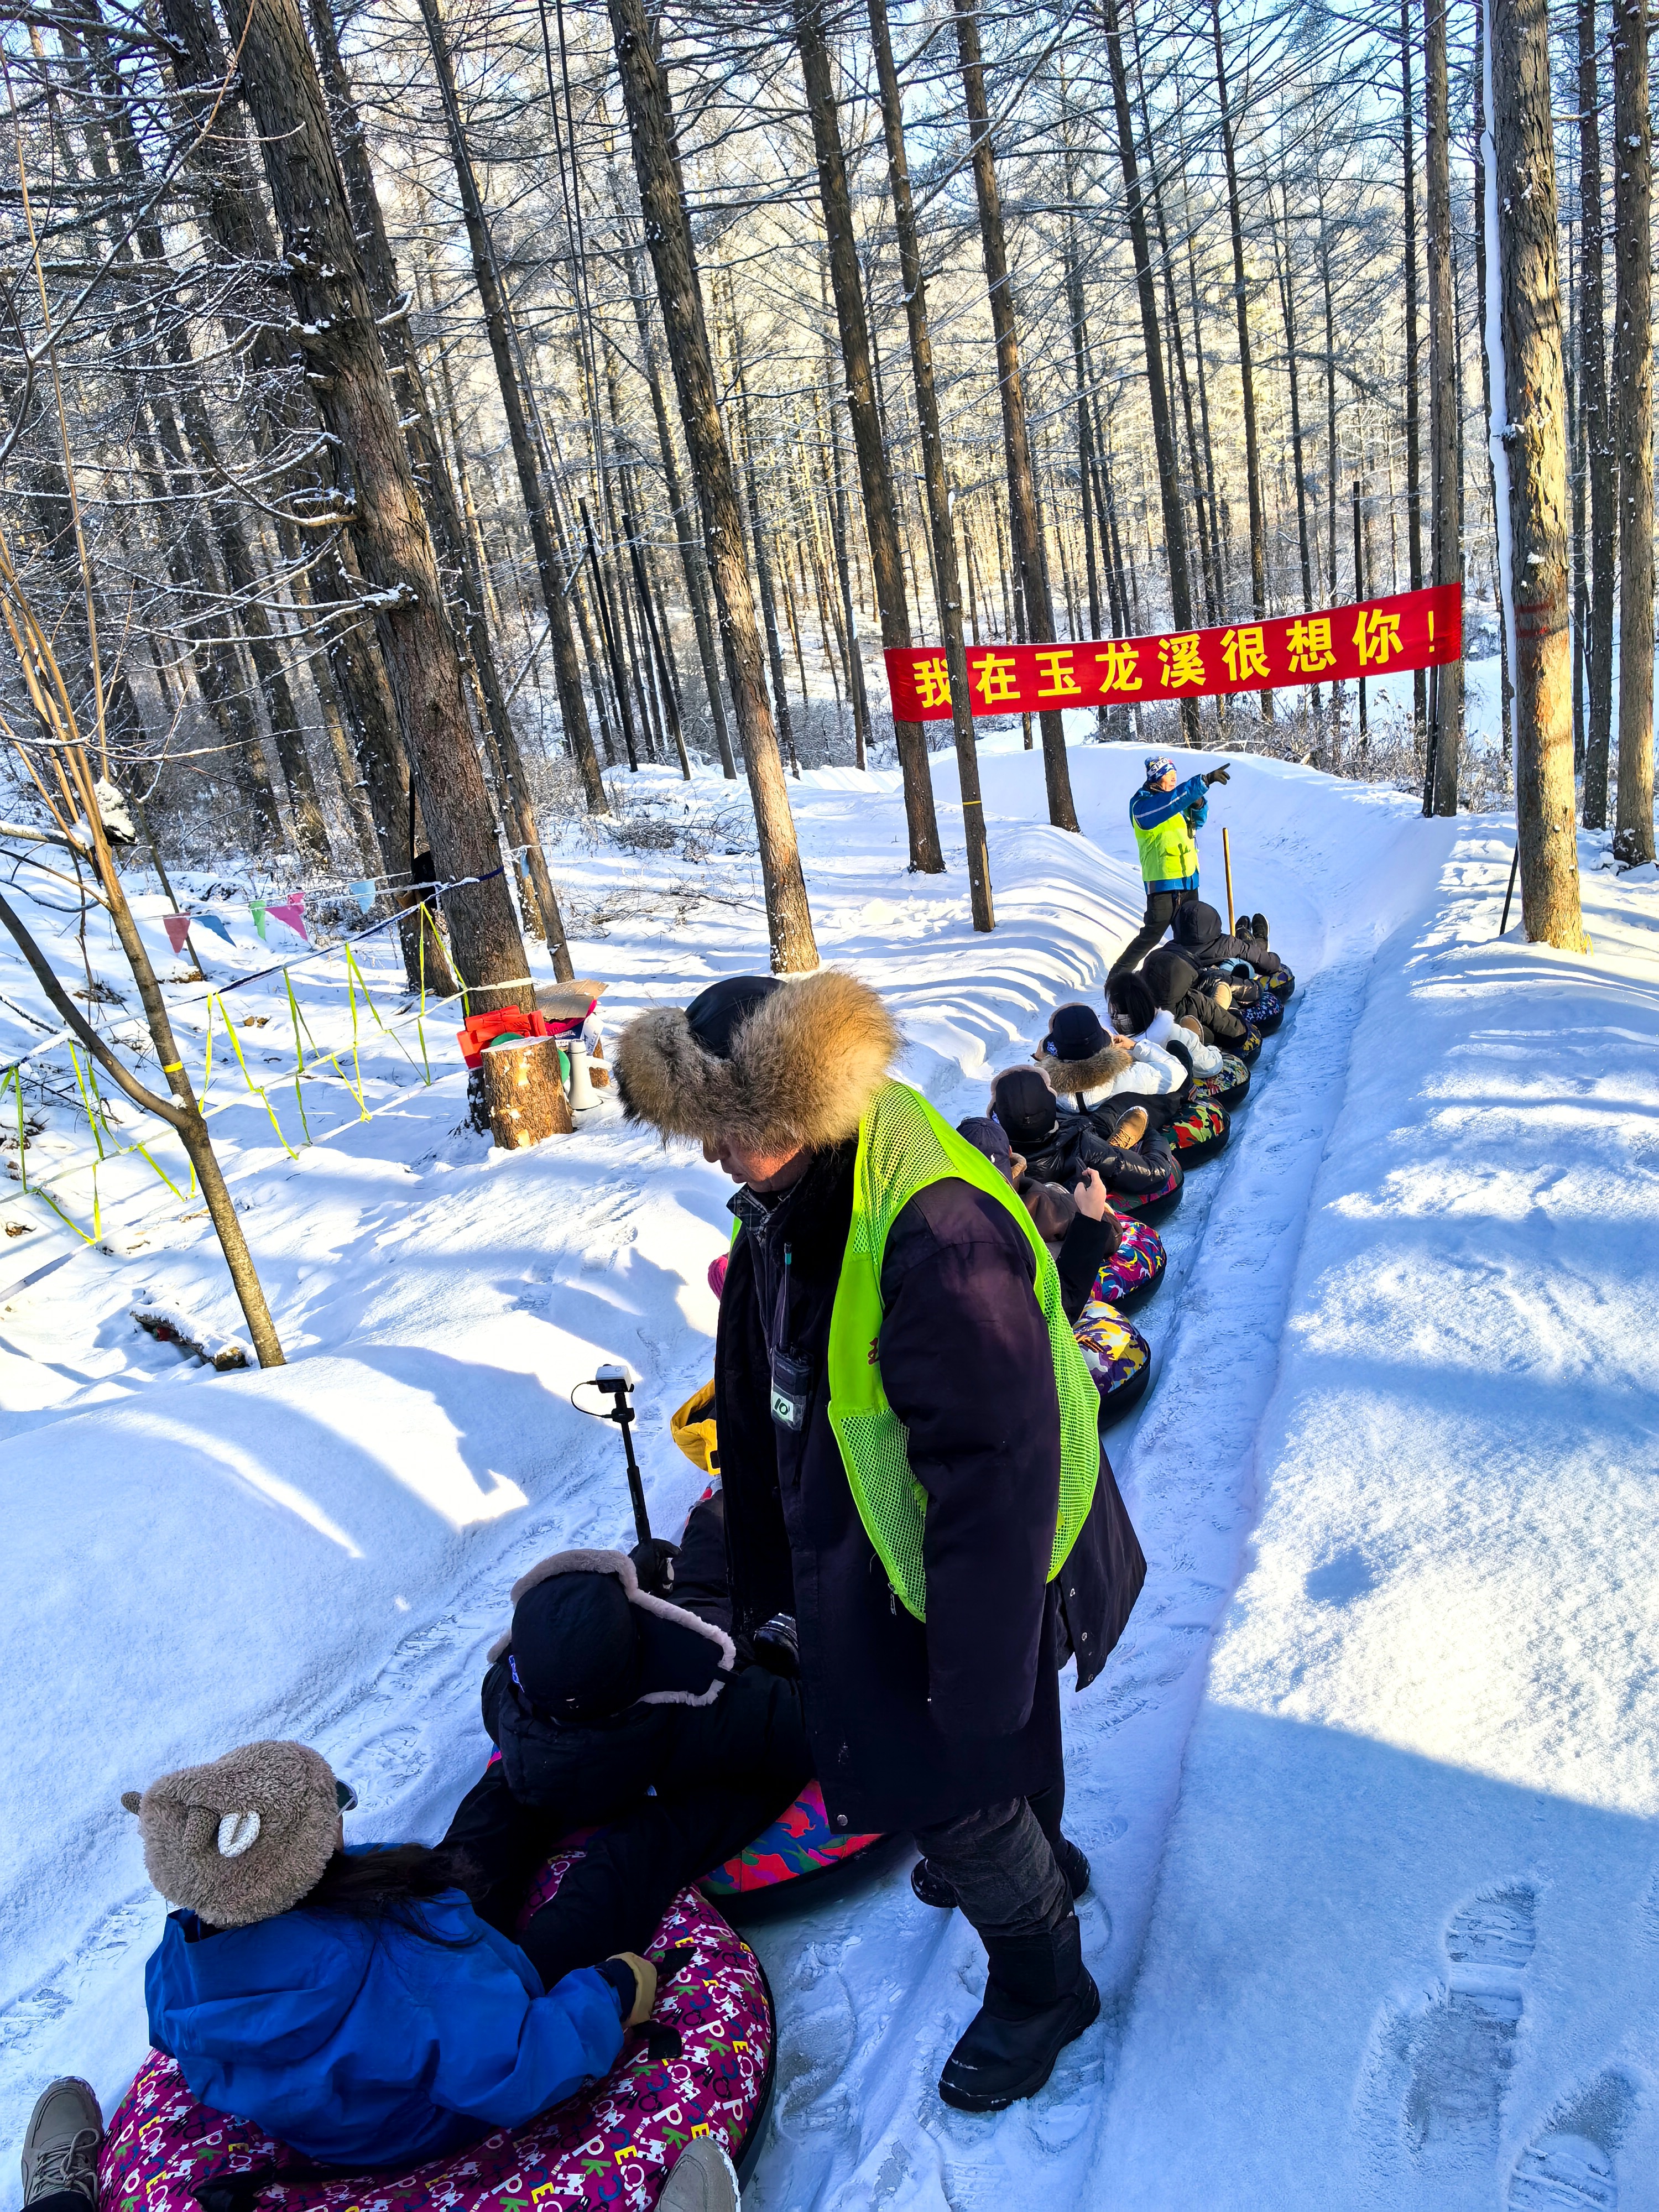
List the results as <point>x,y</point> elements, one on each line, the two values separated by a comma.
<point>1598,428</point>
<point>1505,681</point>
<point>379,498</point>
<point>1168,463</point>
<point>1633,383</point>
<point>668,231</point>
<point>763,555</point>
<point>552,566</point>
<point>1534,409</point>
<point>934,471</point>
<point>696,581</point>
<point>875,479</point>
<point>1446,730</point>
<point>1029,570</point>
<point>1246,377</point>
<point>1413,436</point>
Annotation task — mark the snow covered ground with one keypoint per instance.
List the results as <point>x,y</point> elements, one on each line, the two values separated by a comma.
<point>1369,1786</point>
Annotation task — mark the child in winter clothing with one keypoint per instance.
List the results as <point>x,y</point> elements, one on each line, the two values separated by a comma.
<point>1176,986</point>
<point>351,2004</point>
<point>1200,939</point>
<point>1057,1146</point>
<point>1221,1076</point>
<point>609,1705</point>
<point>1086,1066</point>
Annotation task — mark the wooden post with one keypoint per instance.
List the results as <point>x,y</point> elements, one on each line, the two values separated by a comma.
<point>524,1093</point>
<point>1227,865</point>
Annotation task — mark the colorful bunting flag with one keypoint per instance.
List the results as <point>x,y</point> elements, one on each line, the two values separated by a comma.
<point>212,921</point>
<point>257,908</point>
<point>291,911</point>
<point>363,892</point>
<point>177,926</point>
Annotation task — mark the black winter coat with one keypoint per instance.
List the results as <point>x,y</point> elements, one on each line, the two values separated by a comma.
<point>1175,984</point>
<point>913,1723</point>
<point>1076,1144</point>
<point>582,1775</point>
<point>1201,939</point>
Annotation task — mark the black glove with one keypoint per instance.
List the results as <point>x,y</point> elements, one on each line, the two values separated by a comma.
<point>1219,774</point>
<point>777,1646</point>
<point>653,1563</point>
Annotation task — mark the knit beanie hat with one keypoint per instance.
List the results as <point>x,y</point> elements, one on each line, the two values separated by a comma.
<point>1158,764</point>
<point>1025,1105</point>
<point>989,1137</point>
<point>245,1837</point>
<point>1074,1033</point>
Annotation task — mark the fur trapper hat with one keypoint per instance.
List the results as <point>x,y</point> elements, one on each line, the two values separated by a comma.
<point>245,1837</point>
<point>587,1641</point>
<point>774,1066</point>
<point>1078,1054</point>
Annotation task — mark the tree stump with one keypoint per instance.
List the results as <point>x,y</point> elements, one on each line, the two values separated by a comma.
<point>523,1093</point>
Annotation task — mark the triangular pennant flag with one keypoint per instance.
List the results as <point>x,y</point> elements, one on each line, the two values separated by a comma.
<point>363,892</point>
<point>212,921</point>
<point>257,908</point>
<point>177,926</point>
<point>291,911</point>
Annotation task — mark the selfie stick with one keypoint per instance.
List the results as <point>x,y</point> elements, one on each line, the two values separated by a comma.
<point>617,1383</point>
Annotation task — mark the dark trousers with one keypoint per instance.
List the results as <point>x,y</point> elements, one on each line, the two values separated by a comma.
<point>61,2200</point>
<point>617,1892</point>
<point>1001,1863</point>
<point>1160,915</point>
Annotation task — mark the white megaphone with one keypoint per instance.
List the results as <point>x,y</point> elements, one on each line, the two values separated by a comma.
<point>582,1094</point>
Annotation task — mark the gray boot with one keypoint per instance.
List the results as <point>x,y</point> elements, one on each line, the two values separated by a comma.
<point>62,2142</point>
<point>702,2179</point>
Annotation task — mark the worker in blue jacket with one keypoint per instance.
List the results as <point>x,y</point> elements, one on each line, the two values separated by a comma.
<point>1166,816</point>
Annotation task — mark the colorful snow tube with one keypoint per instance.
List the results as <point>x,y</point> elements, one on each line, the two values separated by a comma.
<point>1118,1356</point>
<point>701,2066</point>
<point>1135,1269</point>
<point>1264,1015</point>
<point>1228,1088</point>
<point>1281,982</point>
<point>799,1845</point>
<point>1200,1133</point>
<point>1149,1205</point>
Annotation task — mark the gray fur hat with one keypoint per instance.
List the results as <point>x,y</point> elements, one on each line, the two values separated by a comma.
<point>244,1838</point>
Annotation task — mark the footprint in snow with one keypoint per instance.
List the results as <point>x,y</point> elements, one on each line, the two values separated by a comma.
<point>1459,2048</point>
<point>1569,2165</point>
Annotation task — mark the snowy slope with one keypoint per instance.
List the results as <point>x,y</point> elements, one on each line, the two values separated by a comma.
<point>326,1550</point>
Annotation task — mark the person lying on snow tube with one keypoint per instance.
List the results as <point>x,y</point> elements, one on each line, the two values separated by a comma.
<point>1076,1226</point>
<point>1220,1076</point>
<point>1176,986</point>
<point>613,1707</point>
<point>1084,1064</point>
<point>1138,1171</point>
<point>350,2002</point>
<point>1200,939</point>
<point>911,1466</point>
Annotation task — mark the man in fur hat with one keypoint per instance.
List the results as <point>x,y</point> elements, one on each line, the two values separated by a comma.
<point>912,1471</point>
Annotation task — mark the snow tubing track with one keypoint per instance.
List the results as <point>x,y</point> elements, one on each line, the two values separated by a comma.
<point>702,2065</point>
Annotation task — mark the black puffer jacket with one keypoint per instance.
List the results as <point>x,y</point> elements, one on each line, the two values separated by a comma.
<point>914,1722</point>
<point>1175,983</point>
<point>1075,1143</point>
<point>1201,939</point>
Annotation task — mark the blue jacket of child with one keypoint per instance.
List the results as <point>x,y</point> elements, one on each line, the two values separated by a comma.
<point>359,2042</point>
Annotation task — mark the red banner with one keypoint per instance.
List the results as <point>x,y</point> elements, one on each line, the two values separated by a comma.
<point>1378,637</point>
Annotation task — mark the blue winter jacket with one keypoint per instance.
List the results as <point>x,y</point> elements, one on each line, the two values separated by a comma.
<point>1165,823</point>
<point>360,2043</point>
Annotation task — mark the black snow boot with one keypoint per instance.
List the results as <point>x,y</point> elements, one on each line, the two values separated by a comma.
<point>930,1887</point>
<point>1258,929</point>
<point>1039,1997</point>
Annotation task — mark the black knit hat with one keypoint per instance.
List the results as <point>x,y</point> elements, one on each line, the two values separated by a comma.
<point>1025,1105</point>
<point>1074,1033</point>
<point>986,1136</point>
<point>714,1015</point>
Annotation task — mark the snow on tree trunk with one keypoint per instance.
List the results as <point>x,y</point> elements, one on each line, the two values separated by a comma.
<point>1528,380</point>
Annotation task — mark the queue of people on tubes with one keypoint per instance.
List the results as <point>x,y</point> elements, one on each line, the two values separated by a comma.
<point>913,1530</point>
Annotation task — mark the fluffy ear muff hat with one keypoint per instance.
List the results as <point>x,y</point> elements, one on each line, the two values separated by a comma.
<point>244,1838</point>
<point>772,1067</point>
